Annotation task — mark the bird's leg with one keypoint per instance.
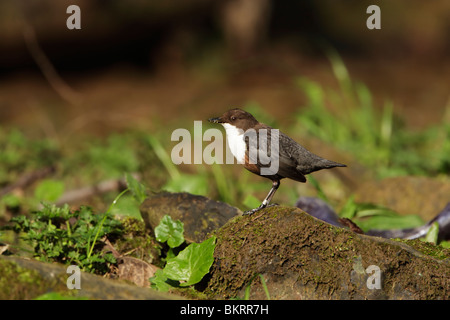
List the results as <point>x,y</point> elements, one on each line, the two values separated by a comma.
<point>266,201</point>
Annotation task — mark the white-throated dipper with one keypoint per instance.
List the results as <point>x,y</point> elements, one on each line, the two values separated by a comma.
<point>253,143</point>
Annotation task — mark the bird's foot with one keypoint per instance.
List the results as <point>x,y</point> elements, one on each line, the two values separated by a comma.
<point>250,212</point>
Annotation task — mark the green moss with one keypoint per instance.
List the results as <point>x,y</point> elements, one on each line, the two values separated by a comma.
<point>428,248</point>
<point>132,225</point>
<point>17,283</point>
<point>137,240</point>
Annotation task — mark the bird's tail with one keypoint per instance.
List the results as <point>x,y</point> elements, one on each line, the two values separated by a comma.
<point>331,164</point>
<point>322,164</point>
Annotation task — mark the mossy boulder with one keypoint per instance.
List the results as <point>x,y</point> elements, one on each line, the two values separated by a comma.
<point>28,278</point>
<point>301,257</point>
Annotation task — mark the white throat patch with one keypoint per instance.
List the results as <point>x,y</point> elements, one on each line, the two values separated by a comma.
<point>236,142</point>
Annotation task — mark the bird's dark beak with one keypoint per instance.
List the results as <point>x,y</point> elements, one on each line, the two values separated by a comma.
<point>215,120</point>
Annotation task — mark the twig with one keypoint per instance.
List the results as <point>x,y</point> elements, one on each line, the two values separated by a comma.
<point>27,179</point>
<point>87,192</point>
<point>48,70</point>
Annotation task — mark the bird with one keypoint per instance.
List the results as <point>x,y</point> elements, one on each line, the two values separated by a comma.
<point>244,133</point>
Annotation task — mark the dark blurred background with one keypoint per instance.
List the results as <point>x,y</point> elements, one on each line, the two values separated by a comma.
<point>135,62</point>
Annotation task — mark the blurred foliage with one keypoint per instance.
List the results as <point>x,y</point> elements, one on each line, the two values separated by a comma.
<point>371,216</point>
<point>376,137</point>
<point>108,159</point>
<point>346,118</point>
<point>18,153</point>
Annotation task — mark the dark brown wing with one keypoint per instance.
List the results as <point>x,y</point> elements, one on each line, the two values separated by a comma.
<point>294,161</point>
<point>287,165</point>
<point>306,161</point>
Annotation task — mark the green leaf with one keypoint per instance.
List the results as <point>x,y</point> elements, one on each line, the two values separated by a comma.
<point>136,188</point>
<point>52,211</point>
<point>159,281</point>
<point>49,190</point>
<point>127,206</point>
<point>11,200</point>
<point>195,184</point>
<point>191,264</point>
<point>432,234</point>
<point>382,222</point>
<point>349,209</point>
<point>319,189</point>
<point>170,231</point>
<point>251,201</point>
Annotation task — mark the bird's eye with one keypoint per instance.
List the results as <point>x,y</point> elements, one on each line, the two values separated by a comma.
<point>233,118</point>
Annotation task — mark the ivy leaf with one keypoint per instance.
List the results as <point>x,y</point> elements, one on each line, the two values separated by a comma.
<point>170,231</point>
<point>191,264</point>
<point>159,281</point>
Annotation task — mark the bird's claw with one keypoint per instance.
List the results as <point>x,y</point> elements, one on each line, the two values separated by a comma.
<point>250,212</point>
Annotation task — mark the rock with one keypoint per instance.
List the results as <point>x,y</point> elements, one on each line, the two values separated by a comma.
<point>199,214</point>
<point>322,211</point>
<point>407,195</point>
<point>301,257</point>
<point>28,278</point>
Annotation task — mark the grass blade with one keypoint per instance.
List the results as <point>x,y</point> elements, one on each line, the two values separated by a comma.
<point>263,282</point>
<point>164,157</point>
<point>105,215</point>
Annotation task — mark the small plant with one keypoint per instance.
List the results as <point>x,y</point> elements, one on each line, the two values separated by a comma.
<point>190,265</point>
<point>128,205</point>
